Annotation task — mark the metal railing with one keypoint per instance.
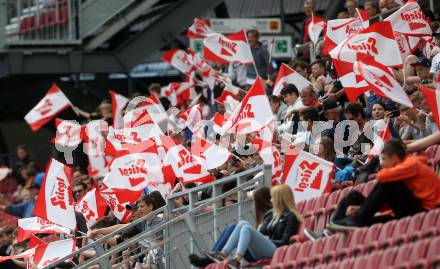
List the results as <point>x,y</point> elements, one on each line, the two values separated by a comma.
<point>191,228</point>
<point>40,22</point>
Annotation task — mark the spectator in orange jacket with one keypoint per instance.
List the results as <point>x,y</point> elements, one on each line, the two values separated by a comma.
<point>405,183</point>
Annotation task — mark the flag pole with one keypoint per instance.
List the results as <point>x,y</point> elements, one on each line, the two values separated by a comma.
<point>272,42</point>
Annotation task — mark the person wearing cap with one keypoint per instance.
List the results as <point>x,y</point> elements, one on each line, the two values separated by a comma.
<point>25,208</point>
<point>420,66</point>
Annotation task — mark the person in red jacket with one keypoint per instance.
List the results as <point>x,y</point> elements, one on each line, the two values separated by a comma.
<point>405,183</point>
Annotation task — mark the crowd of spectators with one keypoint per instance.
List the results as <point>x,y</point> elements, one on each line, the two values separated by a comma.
<point>405,182</point>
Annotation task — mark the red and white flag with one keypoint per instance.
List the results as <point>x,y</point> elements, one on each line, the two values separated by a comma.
<point>179,59</point>
<point>118,104</point>
<point>4,172</point>
<point>36,225</point>
<point>308,175</point>
<point>209,154</point>
<point>94,147</point>
<point>199,29</point>
<point>381,80</point>
<point>432,99</point>
<point>93,206</point>
<point>69,133</point>
<point>287,75</point>
<point>179,92</point>
<point>222,49</point>
<point>55,199</point>
<point>192,117</point>
<point>130,139</point>
<point>53,103</point>
<point>118,208</point>
<point>338,30</point>
<point>382,136</point>
<point>377,41</point>
<point>225,96</point>
<point>253,113</point>
<point>316,26</point>
<point>218,121</point>
<point>48,253</point>
<point>270,155</point>
<point>185,166</point>
<point>24,255</point>
<point>410,20</point>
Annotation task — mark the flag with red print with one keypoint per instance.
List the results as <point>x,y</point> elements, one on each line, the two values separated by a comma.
<point>338,30</point>
<point>381,80</point>
<point>225,96</point>
<point>410,20</point>
<point>185,166</point>
<point>227,49</point>
<point>118,208</point>
<point>376,41</point>
<point>179,92</point>
<point>48,253</point>
<point>192,117</point>
<point>316,26</point>
<point>218,121</point>
<point>270,155</point>
<point>55,199</point>
<point>199,29</point>
<point>53,103</point>
<point>432,99</point>
<point>93,206</point>
<point>382,134</point>
<point>94,147</point>
<point>120,141</point>
<point>179,59</point>
<point>36,225</point>
<point>287,75</point>
<point>118,104</point>
<point>129,174</point>
<point>69,133</point>
<point>209,154</point>
<point>253,113</point>
<point>308,175</point>
<point>24,255</point>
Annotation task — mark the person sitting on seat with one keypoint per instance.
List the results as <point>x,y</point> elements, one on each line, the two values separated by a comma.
<point>278,226</point>
<point>405,183</point>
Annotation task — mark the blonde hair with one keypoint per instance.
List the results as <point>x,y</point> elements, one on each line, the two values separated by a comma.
<point>282,199</point>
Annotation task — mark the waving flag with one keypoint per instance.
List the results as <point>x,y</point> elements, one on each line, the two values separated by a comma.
<point>270,155</point>
<point>48,253</point>
<point>287,75</point>
<point>130,139</point>
<point>36,225</point>
<point>377,41</point>
<point>24,255</point>
<point>179,92</point>
<point>410,20</point>
<point>226,95</point>
<point>383,136</point>
<point>211,155</point>
<point>233,48</point>
<point>253,113</point>
<point>339,30</point>
<point>218,121</point>
<point>432,98</point>
<point>179,59</point>
<point>308,175</point>
<point>316,26</point>
<point>94,147</point>
<point>93,206</point>
<point>55,199</point>
<point>118,104</point>
<point>118,208</point>
<point>53,103</point>
<point>185,166</point>
<point>192,117</point>
<point>381,80</point>
<point>69,133</point>
<point>199,29</point>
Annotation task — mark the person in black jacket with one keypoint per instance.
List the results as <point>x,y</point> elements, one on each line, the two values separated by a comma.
<point>278,226</point>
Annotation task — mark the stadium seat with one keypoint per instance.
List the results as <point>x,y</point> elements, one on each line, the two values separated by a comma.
<point>330,246</point>
<point>309,223</point>
<point>278,257</point>
<point>388,257</point>
<point>383,239</point>
<point>315,249</point>
<point>414,225</point>
<point>303,251</point>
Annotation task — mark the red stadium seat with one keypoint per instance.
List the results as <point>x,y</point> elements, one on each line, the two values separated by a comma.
<point>414,225</point>
<point>430,225</point>
<point>303,251</point>
<point>278,256</point>
<point>316,249</point>
<point>308,223</point>
<point>388,257</point>
<point>383,239</point>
